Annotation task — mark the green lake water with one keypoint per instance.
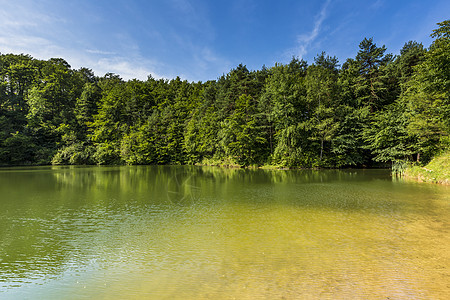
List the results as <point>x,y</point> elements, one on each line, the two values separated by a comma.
<point>168,232</point>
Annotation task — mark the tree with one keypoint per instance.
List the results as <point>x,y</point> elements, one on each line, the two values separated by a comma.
<point>201,131</point>
<point>286,112</point>
<point>443,32</point>
<point>17,74</point>
<point>241,137</point>
<point>387,137</point>
<point>374,109</point>
<point>427,96</point>
<point>371,84</point>
<point>52,100</point>
<point>411,55</point>
<point>321,85</point>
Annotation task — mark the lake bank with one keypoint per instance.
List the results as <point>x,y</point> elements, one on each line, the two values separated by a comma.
<point>436,171</point>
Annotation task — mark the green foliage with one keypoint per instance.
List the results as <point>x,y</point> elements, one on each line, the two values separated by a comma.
<point>17,149</point>
<point>347,147</point>
<point>387,136</point>
<point>285,108</point>
<point>436,171</point>
<point>200,135</point>
<point>17,74</point>
<point>443,32</point>
<point>427,97</point>
<point>371,85</point>
<point>240,135</point>
<point>322,90</point>
<point>411,55</point>
<point>374,110</point>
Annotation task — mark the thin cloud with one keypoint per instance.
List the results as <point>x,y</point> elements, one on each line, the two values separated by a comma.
<point>184,6</point>
<point>308,38</point>
<point>199,62</point>
<point>28,29</point>
<point>377,5</point>
<point>25,29</point>
<point>209,62</point>
<point>124,68</point>
<point>100,52</point>
<point>193,16</point>
<point>304,41</point>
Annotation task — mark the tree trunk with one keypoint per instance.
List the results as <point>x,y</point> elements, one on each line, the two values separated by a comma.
<point>270,140</point>
<point>321,149</point>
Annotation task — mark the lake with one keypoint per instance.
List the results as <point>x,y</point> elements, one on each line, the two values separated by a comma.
<point>179,232</point>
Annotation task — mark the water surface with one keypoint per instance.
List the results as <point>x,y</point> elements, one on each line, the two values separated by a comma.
<point>163,232</point>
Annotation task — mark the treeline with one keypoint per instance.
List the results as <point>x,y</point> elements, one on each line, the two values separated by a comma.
<point>374,109</point>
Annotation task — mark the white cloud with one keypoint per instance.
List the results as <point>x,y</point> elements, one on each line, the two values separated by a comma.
<point>193,16</point>
<point>209,62</point>
<point>24,43</point>
<point>184,6</point>
<point>126,69</point>
<point>100,52</point>
<point>304,41</point>
<point>27,28</point>
<point>101,62</point>
<point>377,4</point>
<point>308,38</point>
<point>43,31</point>
<point>15,14</point>
<point>198,61</point>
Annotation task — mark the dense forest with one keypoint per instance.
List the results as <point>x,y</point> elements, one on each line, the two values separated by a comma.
<point>376,109</point>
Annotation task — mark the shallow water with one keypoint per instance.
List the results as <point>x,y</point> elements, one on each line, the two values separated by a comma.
<point>161,232</point>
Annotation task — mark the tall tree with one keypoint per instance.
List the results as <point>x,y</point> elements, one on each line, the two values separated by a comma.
<point>17,74</point>
<point>286,109</point>
<point>411,55</point>
<point>241,137</point>
<point>427,95</point>
<point>371,87</point>
<point>321,85</point>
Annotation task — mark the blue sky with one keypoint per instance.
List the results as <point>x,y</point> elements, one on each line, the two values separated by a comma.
<point>201,40</point>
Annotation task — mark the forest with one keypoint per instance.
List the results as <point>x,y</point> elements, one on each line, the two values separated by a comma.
<point>373,110</point>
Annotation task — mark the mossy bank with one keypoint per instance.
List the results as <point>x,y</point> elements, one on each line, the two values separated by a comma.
<point>436,171</point>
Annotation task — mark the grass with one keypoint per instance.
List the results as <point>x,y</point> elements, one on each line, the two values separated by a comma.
<point>436,171</point>
<point>229,163</point>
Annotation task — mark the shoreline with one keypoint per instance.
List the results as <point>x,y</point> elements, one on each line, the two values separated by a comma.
<point>434,172</point>
<point>437,171</point>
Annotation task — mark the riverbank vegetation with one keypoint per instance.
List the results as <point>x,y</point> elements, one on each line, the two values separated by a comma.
<point>436,171</point>
<point>375,109</point>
